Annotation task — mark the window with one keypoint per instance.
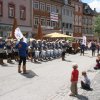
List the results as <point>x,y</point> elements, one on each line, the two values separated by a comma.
<point>67,12</point>
<point>90,21</point>
<point>70,26</point>
<point>1,8</point>
<point>42,6</point>
<point>57,10</point>
<point>80,30</point>
<point>86,21</point>
<point>83,21</point>
<point>87,30</point>
<point>22,13</point>
<point>53,9</point>
<point>80,20</point>
<point>76,29</point>
<point>43,21</point>
<point>36,21</point>
<point>71,13</point>
<point>48,22</point>
<point>64,11</point>
<point>76,20</point>
<point>36,5</point>
<point>67,25</point>
<point>79,9</point>
<point>48,7</point>
<point>11,10</point>
<point>53,23</point>
<point>76,8</point>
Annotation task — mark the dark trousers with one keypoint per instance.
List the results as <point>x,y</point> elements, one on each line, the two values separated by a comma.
<point>93,52</point>
<point>82,51</point>
<point>22,59</point>
<point>85,86</point>
<point>1,55</point>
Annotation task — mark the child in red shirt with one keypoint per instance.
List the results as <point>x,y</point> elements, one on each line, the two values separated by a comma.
<point>74,80</point>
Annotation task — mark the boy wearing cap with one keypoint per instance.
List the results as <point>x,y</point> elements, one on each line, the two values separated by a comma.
<point>74,80</point>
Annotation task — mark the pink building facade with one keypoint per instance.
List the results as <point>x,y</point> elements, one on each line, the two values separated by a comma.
<point>20,9</point>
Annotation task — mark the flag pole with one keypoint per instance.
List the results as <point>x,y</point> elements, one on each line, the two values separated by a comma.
<point>13,28</point>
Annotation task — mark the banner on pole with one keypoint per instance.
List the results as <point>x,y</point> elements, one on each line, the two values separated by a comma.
<point>84,40</point>
<point>18,33</point>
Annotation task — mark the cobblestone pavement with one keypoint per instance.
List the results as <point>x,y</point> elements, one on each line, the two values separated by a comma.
<point>48,80</point>
<point>95,94</point>
<point>88,95</point>
<point>63,93</point>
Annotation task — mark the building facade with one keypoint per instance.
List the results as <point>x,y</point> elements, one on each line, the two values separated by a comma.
<point>49,14</point>
<point>21,9</point>
<point>88,21</point>
<point>67,18</point>
<point>78,14</point>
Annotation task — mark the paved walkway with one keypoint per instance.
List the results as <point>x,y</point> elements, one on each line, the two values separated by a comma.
<point>83,94</point>
<point>88,95</point>
<point>48,80</point>
<point>95,94</point>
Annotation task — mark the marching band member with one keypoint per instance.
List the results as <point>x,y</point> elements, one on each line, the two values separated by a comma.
<point>48,53</point>
<point>43,54</point>
<point>34,47</point>
<point>2,44</point>
<point>15,50</point>
<point>9,50</point>
<point>37,52</point>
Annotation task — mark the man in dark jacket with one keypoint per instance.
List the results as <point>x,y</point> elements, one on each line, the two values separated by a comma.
<point>22,49</point>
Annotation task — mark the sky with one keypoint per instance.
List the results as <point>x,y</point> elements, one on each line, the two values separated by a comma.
<point>93,4</point>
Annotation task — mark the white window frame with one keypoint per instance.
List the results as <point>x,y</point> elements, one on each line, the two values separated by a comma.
<point>11,11</point>
<point>48,7</point>
<point>43,22</point>
<point>53,24</point>
<point>42,6</point>
<point>48,23</point>
<point>53,8</point>
<point>36,5</point>
<point>36,20</point>
<point>22,13</point>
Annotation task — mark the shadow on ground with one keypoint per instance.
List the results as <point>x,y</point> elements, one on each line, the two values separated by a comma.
<point>29,74</point>
<point>67,60</point>
<point>81,97</point>
<point>4,65</point>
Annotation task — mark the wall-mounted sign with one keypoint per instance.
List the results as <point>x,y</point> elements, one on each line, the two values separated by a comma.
<point>5,28</point>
